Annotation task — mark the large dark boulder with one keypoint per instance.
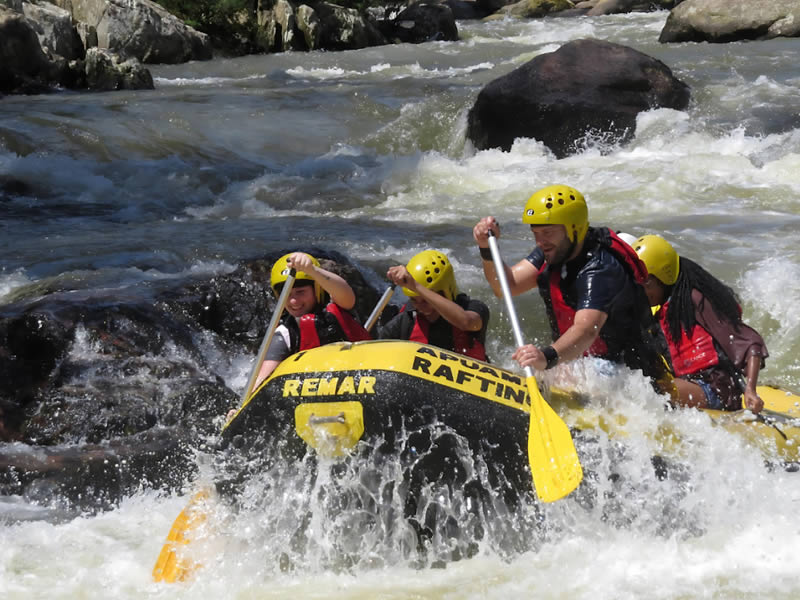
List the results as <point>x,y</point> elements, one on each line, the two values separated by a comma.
<point>105,71</point>
<point>731,20</point>
<point>143,30</point>
<point>424,22</point>
<point>57,34</point>
<point>585,88</point>
<point>26,68</point>
<point>23,65</point>
<point>99,393</point>
<point>343,28</point>
<point>77,366</point>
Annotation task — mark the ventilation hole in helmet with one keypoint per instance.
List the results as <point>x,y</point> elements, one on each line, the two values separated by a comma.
<point>549,205</point>
<point>561,201</point>
<point>436,270</point>
<point>429,280</point>
<point>571,197</point>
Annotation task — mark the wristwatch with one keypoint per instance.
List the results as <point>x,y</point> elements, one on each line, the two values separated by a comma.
<point>551,355</point>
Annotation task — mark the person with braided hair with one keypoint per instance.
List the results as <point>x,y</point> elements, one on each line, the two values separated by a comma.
<point>715,356</point>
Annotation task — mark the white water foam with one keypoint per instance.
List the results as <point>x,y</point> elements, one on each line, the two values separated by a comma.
<point>11,281</point>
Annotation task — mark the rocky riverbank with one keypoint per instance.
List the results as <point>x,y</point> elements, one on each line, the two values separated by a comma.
<point>103,44</point>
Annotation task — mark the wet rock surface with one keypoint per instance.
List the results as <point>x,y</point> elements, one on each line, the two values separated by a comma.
<point>586,89</point>
<point>100,394</point>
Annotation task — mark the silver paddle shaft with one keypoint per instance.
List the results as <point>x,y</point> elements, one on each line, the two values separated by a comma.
<point>499,267</point>
<point>273,325</point>
<point>376,312</point>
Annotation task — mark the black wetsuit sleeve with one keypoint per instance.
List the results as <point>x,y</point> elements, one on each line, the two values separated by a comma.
<point>599,283</point>
<point>479,307</point>
<point>393,330</point>
<point>536,258</point>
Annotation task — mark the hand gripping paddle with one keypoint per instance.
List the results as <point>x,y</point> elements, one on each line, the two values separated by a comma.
<point>554,461</point>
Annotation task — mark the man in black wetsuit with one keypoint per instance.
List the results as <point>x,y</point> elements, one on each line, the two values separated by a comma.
<point>589,279</point>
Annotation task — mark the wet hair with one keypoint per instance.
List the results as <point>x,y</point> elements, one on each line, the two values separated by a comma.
<point>681,314</point>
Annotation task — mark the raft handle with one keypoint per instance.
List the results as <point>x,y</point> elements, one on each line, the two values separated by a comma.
<point>315,420</point>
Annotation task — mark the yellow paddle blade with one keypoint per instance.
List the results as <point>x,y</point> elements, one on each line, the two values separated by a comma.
<point>554,461</point>
<point>172,565</point>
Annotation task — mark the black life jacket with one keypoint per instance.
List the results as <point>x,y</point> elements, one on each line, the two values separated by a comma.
<point>562,313</point>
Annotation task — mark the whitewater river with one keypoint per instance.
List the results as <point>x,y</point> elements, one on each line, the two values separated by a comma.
<point>364,152</point>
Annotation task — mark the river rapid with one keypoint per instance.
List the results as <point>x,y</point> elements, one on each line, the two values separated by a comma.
<point>364,152</point>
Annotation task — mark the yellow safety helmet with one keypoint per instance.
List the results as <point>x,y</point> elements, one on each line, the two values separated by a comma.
<point>280,272</point>
<point>559,205</point>
<point>430,268</point>
<point>659,257</point>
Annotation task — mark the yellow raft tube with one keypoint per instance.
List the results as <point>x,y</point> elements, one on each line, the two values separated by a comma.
<point>333,396</point>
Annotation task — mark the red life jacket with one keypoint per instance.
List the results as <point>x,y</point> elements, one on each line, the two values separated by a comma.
<point>689,355</point>
<point>316,330</point>
<point>463,342</point>
<point>565,314</point>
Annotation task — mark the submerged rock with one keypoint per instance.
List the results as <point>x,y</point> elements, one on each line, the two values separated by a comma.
<point>24,67</point>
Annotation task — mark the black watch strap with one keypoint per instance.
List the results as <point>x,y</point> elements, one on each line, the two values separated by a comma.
<point>551,355</point>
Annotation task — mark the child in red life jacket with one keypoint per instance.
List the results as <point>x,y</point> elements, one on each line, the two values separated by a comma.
<point>436,313</point>
<point>310,321</point>
<point>700,317</point>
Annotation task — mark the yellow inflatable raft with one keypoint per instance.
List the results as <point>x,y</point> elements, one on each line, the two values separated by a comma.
<point>333,396</point>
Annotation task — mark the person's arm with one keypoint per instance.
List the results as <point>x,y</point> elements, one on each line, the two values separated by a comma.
<point>751,398</point>
<point>466,320</point>
<point>521,277</point>
<point>339,290</point>
<point>575,341</point>
<point>744,346</point>
<point>267,367</point>
<point>598,286</point>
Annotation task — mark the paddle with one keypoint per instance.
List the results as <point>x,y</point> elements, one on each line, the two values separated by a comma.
<point>271,328</point>
<point>170,565</point>
<point>554,461</point>
<point>376,312</point>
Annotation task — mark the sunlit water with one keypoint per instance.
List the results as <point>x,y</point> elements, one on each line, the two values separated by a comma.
<point>364,152</point>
